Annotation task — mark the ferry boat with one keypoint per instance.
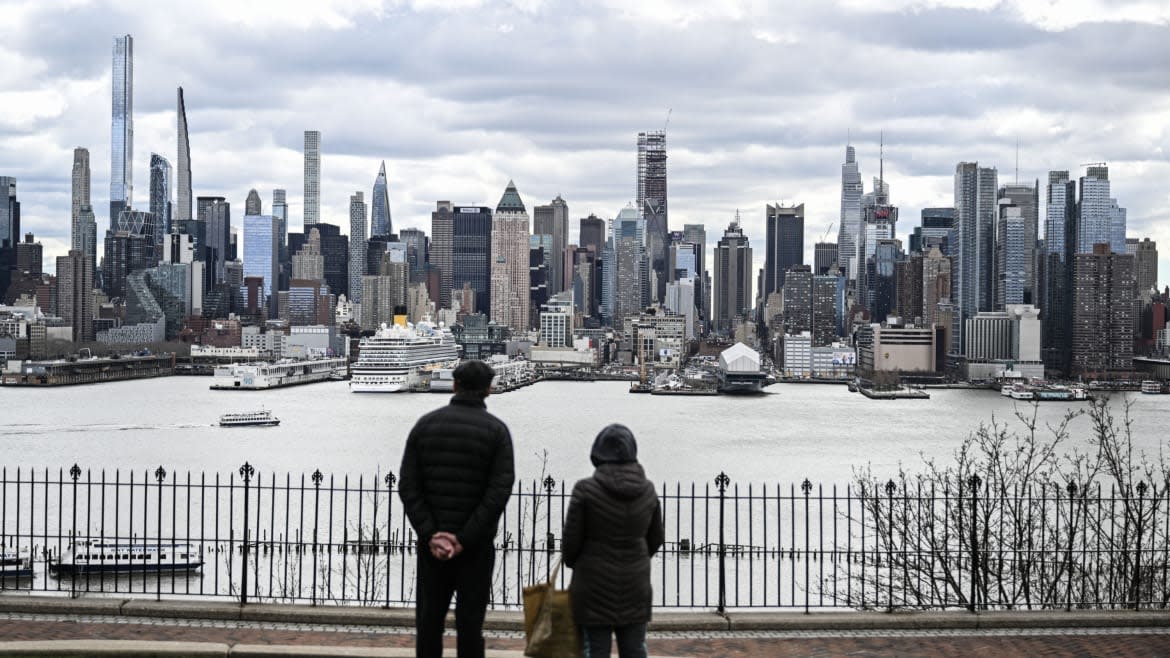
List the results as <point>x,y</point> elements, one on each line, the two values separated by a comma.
<point>262,418</point>
<point>15,565</point>
<point>119,556</point>
<point>1151,387</point>
<point>1045,392</point>
<point>286,372</point>
<point>401,358</point>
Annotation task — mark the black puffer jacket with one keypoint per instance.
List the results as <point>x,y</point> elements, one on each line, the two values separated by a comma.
<point>612,528</point>
<point>457,472</point>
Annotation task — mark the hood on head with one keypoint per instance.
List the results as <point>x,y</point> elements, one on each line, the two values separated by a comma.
<point>614,445</point>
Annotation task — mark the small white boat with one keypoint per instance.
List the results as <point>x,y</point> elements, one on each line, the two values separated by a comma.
<point>15,564</point>
<point>1151,387</point>
<point>263,417</point>
<point>114,556</point>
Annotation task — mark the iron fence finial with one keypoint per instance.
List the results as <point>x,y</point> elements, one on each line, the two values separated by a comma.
<point>722,481</point>
<point>246,472</point>
<point>549,483</point>
<point>75,472</point>
<point>317,477</point>
<point>1141,489</point>
<point>891,487</point>
<point>1072,489</point>
<point>160,474</point>
<point>391,479</point>
<point>806,487</point>
<point>974,481</point>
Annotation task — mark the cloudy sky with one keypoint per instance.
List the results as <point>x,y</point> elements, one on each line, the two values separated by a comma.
<point>459,96</point>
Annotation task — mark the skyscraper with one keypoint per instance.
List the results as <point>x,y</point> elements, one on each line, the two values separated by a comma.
<point>1027,199</point>
<point>784,227</point>
<point>696,234</point>
<point>81,197</point>
<point>1059,247</point>
<point>75,293</point>
<point>252,205</point>
<point>1094,225</point>
<point>312,199</point>
<point>733,278</point>
<point>1011,261</point>
<point>849,226</point>
<point>1103,324</point>
<point>357,245</point>
<point>215,213</point>
<point>461,239</point>
<point>975,214</point>
<point>652,205</point>
<point>1147,266</point>
<point>160,198</point>
<point>510,261</point>
<point>380,222</point>
<point>553,220</point>
<point>9,213</point>
<point>825,258</point>
<point>183,212</point>
<point>261,255</point>
<point>122,129</point>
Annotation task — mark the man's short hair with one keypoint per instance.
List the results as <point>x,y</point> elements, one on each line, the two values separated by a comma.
<point>474,376</point>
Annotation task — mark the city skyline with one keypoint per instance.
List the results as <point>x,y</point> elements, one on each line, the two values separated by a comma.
<point>1023,78</point>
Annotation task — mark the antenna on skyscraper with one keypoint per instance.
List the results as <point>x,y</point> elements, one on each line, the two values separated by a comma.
<point>1017,161</point>
<point>881,164</point>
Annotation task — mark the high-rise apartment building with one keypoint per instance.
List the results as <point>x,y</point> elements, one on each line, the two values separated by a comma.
<point>122,129</point>
<point>652,205</point>
<point>974,273</point>
<point>312,198</point>
<point>825,258</point>
<point>1060,241</point>
<point>798,300</point>
<point>357,246</point>
<point>849,225</point>
<point>553,220</point>
<point>308,264</point>
<point>418,250</point>
<point>908,273</point>
<point>9,213</point>
<point>592,236</point>
<point>1027,199</point>
<point>80,197</point>
<point>696,234</point>
<point>380,223</point>
<point>936,284</point>
<point>160,198</point>
<point>215,213</point>
<point>936,230</point>
<point>510,262</point>
<point>1011,256</point>
<point>75,293</point>
<point>784,226</point>
<point>183,211</point>
<point>1094,216</point>
<point>334,251</point>
<point>733,279</point>
<point>1103,324</point>
<point>1117,226</point>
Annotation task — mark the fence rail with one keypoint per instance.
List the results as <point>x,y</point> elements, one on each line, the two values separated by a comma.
<point>340,539</point>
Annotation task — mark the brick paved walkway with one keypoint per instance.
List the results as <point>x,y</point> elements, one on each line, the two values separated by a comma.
<point>1013,643</point>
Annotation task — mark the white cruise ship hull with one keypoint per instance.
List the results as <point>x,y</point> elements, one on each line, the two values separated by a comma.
<point>377,387</point>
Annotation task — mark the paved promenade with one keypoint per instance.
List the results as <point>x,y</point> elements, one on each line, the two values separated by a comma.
<point>32,626</point>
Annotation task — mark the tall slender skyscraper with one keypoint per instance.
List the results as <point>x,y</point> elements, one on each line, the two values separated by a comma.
<point>122,129</point>
<point>357,246</point>
<point>1059,247</point>
<point>975,219</point>
<point>553,220</point>
<point>653,207</point>
<point>312,197</point>
<point>81,197</point>
<point>696,234</point>
<point>9,213</point>
<point>380,223</point>
<point>849,226</point>
<point>183,212</point>
<point>1027,199</point>
<point>160,198</point>
<point>509,261</point>
<point>1093,210</point>
<point>252,205</point>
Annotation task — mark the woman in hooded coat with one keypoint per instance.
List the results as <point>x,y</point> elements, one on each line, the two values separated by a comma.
<point>612,528</point>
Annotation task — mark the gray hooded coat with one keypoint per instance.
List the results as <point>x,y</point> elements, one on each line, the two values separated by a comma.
<point>612,528</point>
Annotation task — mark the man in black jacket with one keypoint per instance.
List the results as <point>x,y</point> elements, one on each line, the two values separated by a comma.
<point>457,474</point>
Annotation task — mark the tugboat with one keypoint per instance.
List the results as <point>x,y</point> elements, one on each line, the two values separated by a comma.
<point>113,556</point>
<point>261,418</point>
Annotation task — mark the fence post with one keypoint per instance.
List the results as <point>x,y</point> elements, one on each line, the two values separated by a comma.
<point>1137,564</point>
<point>890,488</point>
<point>721,481</point>
<point>246,472</point>
<point>1072,492</point>
<point>74,473</point>
<point>160,474</point>
<point>973,482</point>
<point>550,541</point>
<point>317,477</point>
<point>806,487</point>
<point>390,480</point>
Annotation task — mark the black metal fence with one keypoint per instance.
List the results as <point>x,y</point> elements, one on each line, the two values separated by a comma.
<point>320,539</point>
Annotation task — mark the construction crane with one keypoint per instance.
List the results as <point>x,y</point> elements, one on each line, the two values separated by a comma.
<point>1094,164</point>
<point>667,123</point>
<point>825,237</point>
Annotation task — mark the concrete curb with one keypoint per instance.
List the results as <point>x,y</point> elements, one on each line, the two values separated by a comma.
<point>513,621</point>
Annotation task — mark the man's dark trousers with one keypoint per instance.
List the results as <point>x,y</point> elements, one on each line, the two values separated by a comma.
<point>469,575</point>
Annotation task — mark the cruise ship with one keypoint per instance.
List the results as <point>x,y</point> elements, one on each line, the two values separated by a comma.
<point>398,358</point>
<point>286,372</point>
